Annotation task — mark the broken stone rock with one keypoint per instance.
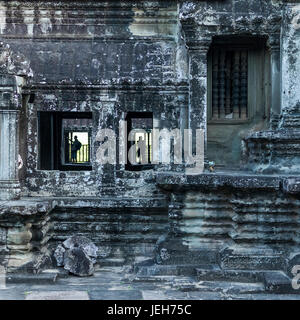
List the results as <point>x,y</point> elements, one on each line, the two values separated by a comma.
<point>59,255</point>
<point>84,243</point>
<point>77,255</point>
<point>78,263</point>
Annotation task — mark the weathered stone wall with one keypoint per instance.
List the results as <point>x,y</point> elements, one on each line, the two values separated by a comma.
<point>106,58</point>
<point>277,149</point>
<point>24,230</point>
<point>123,236</point>
<point>238,221</point>
<point>109,58</point>
<point>204,20</point>
<point>290,56</point>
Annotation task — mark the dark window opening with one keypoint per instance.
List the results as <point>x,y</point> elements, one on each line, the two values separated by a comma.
<point>65,140</point>
<point>238,95</point>
<point>229,84</point>
<point>235,69</point>
<point>140,124</point>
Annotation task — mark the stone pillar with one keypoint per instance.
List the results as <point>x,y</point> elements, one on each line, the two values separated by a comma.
<point>9,183</point>
<point>274,48</point>
<point>198,86</point>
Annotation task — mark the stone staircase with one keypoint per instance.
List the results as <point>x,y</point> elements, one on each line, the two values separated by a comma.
<point>212,278</point>
<point>133,237</point>
<point>234,271</point>
<point>124,236</point>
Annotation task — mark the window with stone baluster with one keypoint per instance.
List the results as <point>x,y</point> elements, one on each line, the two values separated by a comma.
<point>65,140</point>
<point>237,78</point>
<point>238,94</point>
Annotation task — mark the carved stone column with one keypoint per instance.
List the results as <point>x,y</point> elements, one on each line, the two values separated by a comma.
<point>274,48</point>
<point>9,105</point>
<point>198,50</point>
<point>198,83</point>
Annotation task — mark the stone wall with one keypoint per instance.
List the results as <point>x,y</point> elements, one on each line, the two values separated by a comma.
<point>100,57</point>
<point>242,221</point>
<point>290,58</point>
<point>112,57</point>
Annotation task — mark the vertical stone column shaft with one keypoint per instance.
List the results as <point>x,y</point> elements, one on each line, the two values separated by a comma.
<point>8,145</point>
<point>198,85</point>
<point>274,47</point>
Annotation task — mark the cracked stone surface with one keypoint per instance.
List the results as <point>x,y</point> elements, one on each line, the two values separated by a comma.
<point>111,283</point>
<point>109,58</point>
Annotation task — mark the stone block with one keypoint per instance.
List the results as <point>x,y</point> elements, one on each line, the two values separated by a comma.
<point>278,282</point>
<point>3,236</point>
<point>19,236</point>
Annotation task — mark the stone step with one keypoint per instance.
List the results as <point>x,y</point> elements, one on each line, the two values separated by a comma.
<point>126,235</point>
<point>187,283</point>
<point>215,273</point>
<point>45,277</point>
<point>278,282</point>
<point>165,270</point>
<point>193,257</point>
<point>112,262</point>
<point>113,218</point>
<point>102,239</point>
<point>110,228</point>
<point>160,278</point>
<point>251,258</point>
<point>225,287</point>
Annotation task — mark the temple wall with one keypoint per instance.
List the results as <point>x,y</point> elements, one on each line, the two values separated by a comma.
<point>112,57</point>
<point>104,58</point>
<point>290,56</point>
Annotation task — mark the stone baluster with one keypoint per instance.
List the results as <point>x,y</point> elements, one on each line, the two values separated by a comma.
<point>244,84</point>
<point>9,182</point>
<point>274,48</point>
<point>222,84</point>
<point>228,85</point>
<point>198,50</point>
<point>215,85</point>
<point>236,85</point>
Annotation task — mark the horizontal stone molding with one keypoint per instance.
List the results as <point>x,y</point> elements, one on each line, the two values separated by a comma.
<point>242,181</point>
<point>106,87</point>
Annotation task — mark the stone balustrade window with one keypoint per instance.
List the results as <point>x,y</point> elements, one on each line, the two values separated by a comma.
<point>65,140</point>
<point>237,74</point>
<point>230,84</point>
<point>139,127</point>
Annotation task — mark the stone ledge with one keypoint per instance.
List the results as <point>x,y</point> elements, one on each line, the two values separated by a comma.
<point>276,135</point>
<point>34,205</point>
<point>179,181</point>
<point>107,202</point>
<point>24,207</point>
<point>46,277</point>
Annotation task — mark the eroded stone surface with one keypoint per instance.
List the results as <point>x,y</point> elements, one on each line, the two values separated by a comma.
<point>57,295</point>
<point>78,262</point>
<point>83,243</point>
<point>111,58</point>
<point>59,255</point>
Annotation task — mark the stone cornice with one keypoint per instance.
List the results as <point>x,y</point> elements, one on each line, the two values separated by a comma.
<point>178,87</point>
<point>197,23</point>
<point>238,180</point>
